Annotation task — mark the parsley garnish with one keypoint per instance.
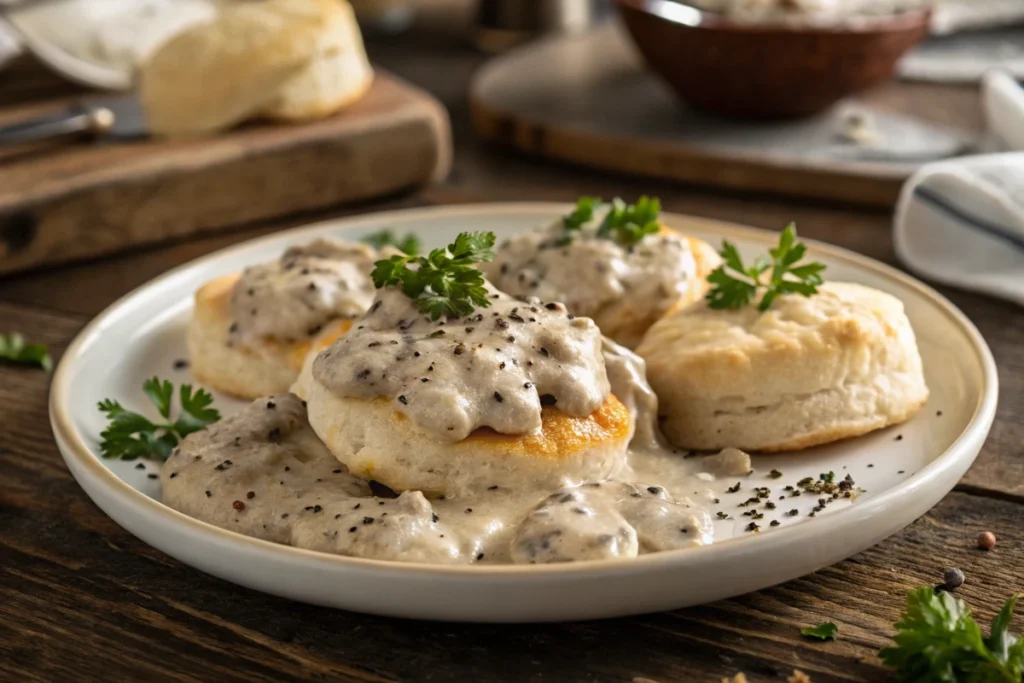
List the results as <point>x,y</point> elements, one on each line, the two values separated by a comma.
<point>13,349</point>
<point>826,631</point>
<point>624,223</point>
<point>938,640</point>
<point>410,244</point>
<point>628,224</point>
<point>580,216</point>
<point>129,435</point>
<point>445,282</point>
<point>734,285</point>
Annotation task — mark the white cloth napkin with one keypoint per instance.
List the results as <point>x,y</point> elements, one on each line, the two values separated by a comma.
<point>961,221</point>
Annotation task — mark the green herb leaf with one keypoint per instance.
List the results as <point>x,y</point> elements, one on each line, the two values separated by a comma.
<point>628,224</point>
<point>130,435</point>
<point>582,214</point>
<point>734,285</point>
<point>445,282</point>
<point>13,349</point>
<point>938,640</point>
<point>826,631</point>
<point>410,244</point>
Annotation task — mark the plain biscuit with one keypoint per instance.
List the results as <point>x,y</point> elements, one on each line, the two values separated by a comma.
<point>809,371</point>
<point>337,75</point>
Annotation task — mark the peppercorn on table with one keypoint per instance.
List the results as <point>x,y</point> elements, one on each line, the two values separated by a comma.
<point>82,599</point>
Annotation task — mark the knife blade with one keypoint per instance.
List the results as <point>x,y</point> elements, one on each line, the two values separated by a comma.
<point>118,117</point>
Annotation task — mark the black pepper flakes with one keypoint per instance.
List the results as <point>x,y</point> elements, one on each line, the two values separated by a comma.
<point>775,522</point>
<point>367,520</point>
<point>498,397</point>
<point>403,400</point>
<point>250,495</point>
<point>733,489</point>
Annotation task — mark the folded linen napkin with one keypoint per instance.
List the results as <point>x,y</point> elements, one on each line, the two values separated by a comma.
<point>961,221</point>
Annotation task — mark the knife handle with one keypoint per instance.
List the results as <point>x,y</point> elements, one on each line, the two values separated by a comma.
<point>76,119</point>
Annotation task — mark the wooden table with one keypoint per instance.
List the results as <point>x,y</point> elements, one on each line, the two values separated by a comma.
<point>82,599</point>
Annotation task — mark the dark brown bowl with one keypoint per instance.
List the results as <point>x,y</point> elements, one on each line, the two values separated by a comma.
<point>767,71</point>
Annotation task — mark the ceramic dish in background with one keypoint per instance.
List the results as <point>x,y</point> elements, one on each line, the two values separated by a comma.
<point>760,71</point>
<point>144,333</point>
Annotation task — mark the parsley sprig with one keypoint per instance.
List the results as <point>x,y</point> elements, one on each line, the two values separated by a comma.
<point>939,641</point>
<point>624,223</point>
<point>734,285</point>
<point>444,282</point>
<point>410,244</point>
<point>628,224</point>
<point>130,435</point>
<point>13,349</point>
<point>826,631</point>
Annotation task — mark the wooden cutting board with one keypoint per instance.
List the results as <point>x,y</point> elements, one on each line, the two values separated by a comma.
<point>71,200</point>
<point>591,101</point>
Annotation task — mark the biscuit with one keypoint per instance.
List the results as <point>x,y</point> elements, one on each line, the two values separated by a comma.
<point>809,371</point>
<point>377,442</point>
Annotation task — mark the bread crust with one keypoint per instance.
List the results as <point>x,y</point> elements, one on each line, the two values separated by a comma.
<point>377,442</point>
<point>807,372</point>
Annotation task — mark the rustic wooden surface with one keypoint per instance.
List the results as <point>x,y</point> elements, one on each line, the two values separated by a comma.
<point>81,599</point>
<point>63,200</point>
<point>589,100</point>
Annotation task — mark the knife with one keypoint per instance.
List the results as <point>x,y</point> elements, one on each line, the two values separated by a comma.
<point>118,117</point>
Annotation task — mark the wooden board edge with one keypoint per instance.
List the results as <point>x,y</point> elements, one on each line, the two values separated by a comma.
<point>155,207</point>
<point>648,159</point>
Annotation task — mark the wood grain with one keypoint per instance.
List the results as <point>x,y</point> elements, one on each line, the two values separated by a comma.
<point>83,600</point>
<point>72,200</point>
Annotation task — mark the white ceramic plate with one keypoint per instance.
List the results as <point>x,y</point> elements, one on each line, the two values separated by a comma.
<point>143,333</point>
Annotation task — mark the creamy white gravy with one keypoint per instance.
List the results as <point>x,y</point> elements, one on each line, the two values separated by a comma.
<point>496,368</point>
<point>621,288</point>
<point>293,297</point>
<point>264,473</point>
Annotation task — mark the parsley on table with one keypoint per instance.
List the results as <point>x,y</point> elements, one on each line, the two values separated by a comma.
<point>13,349</point>
<point>826,631</point>
<point>445,282</point>
<point>938,641</point>
<point>734,285</point>
<point>410,244</point>
<point>130,435</point>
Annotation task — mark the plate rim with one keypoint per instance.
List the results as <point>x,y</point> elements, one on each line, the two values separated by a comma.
<point>73,446</point>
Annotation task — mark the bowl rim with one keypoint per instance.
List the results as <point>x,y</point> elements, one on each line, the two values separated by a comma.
<point>685,16</point>
<point>85,463</point>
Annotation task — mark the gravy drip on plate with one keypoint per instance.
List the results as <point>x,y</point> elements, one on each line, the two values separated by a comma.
<point>309,286</point>
<point>496,368</point>
<point>263,472</point>
<point>594,276</point>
